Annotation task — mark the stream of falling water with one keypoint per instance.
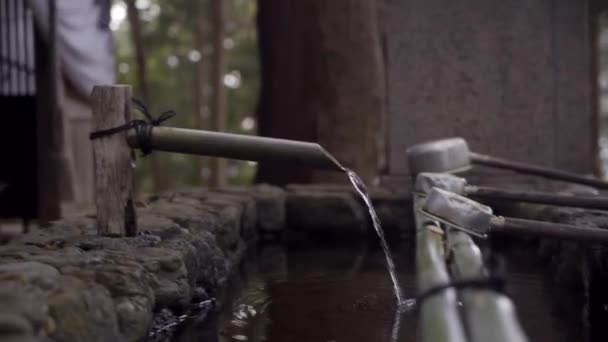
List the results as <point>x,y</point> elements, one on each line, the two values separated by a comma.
<point>357,182</point>
<point>402,304</point>
<point>362,191</point>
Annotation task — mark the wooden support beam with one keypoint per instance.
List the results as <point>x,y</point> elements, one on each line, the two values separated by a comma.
<point>113,162</point>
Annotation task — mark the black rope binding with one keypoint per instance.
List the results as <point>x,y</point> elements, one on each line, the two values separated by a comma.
<point>143,128</point>
<point>494,281</point>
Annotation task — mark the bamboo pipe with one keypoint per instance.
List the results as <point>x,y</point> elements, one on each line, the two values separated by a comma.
<point>236,146</point>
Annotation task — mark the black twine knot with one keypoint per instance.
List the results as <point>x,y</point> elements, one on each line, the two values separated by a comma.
<point>143,128</point>
<point>492,282</point>
<point>495,281</point>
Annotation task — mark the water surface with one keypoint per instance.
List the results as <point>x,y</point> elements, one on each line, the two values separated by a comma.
<point>324,292</point>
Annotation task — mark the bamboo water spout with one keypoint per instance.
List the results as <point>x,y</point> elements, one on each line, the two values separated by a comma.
<point>116,134</point>
<point>236,146</point>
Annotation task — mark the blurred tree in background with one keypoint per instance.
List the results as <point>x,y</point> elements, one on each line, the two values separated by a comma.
<point>602,65</point>
<point>323,80</point>
<point>177,40</point>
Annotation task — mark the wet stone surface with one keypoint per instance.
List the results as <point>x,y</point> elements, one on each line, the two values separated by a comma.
<point>65,283</point>
<point>335,209</point>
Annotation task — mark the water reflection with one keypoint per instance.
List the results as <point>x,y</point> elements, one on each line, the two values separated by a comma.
<point>303,293</point>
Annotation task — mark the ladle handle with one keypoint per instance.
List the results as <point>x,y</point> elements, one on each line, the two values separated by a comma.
<point>537,170</point>
<point>590,202</point>
<point>548,229</point>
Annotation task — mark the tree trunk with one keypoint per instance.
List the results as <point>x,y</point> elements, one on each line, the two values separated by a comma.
<point>49,123</point>
<point>322,80</point>
<point>158,180</point>
<point>599,57</point>
<point>218,100</point>
<point>199,80</point>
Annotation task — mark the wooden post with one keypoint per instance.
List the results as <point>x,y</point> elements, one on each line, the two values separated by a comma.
<point>113,162</point>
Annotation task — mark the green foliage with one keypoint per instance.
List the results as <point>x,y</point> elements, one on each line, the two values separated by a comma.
<point>169,39</point>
